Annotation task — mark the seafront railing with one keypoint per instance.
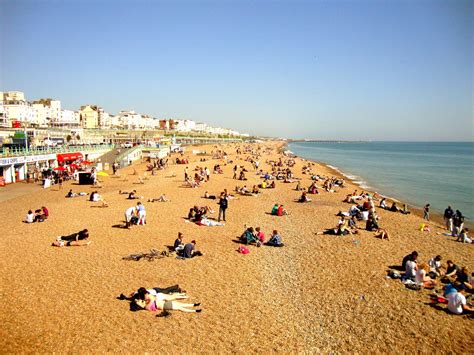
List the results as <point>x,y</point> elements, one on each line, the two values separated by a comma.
<point>15,152</point>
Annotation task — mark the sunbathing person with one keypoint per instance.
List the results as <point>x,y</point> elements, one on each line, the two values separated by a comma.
<point>211,197</point>
<point>71,194</point>
<point>167,302</point>
<point>154,291</point>
<point>73,240</point>
<point>382,234</point>
<point>162,198</point>
<point>341,229</point>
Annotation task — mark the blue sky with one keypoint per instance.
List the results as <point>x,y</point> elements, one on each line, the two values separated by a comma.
<point>384,70</point>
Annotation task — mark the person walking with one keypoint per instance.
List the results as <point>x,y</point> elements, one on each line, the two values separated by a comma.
<point>426,212</point>
<point>223,203</point>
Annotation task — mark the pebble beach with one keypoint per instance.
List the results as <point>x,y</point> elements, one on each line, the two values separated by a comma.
<point>319,293</point>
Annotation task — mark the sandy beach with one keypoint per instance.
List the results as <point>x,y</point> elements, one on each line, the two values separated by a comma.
<point>318,293</point>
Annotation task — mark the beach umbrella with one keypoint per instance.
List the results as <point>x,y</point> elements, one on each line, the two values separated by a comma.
<point>60,168</point>
<point>87,162</point>
<point>102,173</point>
<point>74,166</point>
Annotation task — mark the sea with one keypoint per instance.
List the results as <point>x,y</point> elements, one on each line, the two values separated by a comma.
<point>417,173</point>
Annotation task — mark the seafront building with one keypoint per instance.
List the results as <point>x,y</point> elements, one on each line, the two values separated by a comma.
<point>39,134</point>
<point>17,112</point>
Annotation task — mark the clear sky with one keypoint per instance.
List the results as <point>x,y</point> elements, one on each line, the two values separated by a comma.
<point>384,70</point>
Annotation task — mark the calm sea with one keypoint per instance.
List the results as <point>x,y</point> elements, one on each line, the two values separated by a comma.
<point>438,173</point>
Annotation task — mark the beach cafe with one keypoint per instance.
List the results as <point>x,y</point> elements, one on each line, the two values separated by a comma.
<point>15,169</point>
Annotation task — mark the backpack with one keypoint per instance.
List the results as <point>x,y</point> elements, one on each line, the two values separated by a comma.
<point>243,250</point>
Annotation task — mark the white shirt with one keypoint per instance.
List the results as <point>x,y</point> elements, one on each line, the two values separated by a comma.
<point>130,211</point>
<point>434,264</point>
<point>410,268</point>
<point>30,217</point>
<point>455,302</point>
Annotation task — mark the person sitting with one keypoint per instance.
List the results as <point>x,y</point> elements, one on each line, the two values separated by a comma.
<point>457,302</point>
<point>413,254</point>
<point>304,198</point>
<point>298,186</point>
<point>371,224</point>
<point>463,236</point>
<point>435,266</point>
<point>192,183</point>
<point>275,240</point>
<point>405,209</point>
<point>451,271</point>
<point>255,190</point>
<point>263,185</point>
<point>394,207</point>
<point>74,240</point>
<point>259,234</point>
<point>411,268</point>
<point>383,204</point>
<point>242,175</point>
<point>94,197</point>
<point>313,189</point>
<point>39,216</point>
<point>271,185</point>
<point>463,279</point>
<point>71,194</point>
<point>30,217</point>
<point>421,277</point>
<point>189,250</point>
<point>178,243</point>
<point>249,237</point>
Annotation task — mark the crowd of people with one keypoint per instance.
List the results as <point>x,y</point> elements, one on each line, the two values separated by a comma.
<point>430,274</point>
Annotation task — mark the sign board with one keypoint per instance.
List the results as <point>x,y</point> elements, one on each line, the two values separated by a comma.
<point>27,159</point>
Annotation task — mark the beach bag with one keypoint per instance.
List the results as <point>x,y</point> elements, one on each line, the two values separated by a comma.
<point>243,250</point>
<point>134,220</point>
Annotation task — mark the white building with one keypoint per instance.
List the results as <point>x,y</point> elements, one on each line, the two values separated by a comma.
<point>16,108</point>
<point>200,127</point>
<point>41,118</point>
<point>130,120</point>
<point>3,116</point>
<point>69,118</point>
<point>184,125</point>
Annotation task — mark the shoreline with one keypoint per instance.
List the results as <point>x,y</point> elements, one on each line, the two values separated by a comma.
<point>435,216</point>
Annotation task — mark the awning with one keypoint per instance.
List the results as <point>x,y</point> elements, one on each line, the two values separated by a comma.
<point>69,156</point>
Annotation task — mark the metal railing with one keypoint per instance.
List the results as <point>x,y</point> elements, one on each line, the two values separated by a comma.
<point>14,152</point>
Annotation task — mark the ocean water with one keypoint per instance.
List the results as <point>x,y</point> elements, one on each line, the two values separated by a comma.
<point>439,173</point>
